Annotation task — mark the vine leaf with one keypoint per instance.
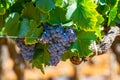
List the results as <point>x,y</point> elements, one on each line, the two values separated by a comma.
<point>1,21</point>
<point>117,18</point>
<point>98,26</point>
<point>24,27</point>
<point>108,8</point>
<point>112,3</point>
<point>85,15</point>
<point>15,6</point>
<point>83,42</point>
<point>70,9</point>
<point>29,30</point>
<point>69,54</point>
<point>57,16</point>
<point>12,25</point>
<point>112,15</point>
<point>33,32</point>
<point>103,9</point>
<point>28,8</point>
<point>59,3</point>
<point>41,57</point>
<point>113,11</point>
<point>45,5</point>
<point>2,11</point>
<point>63,3</point>
<point>1,31</point>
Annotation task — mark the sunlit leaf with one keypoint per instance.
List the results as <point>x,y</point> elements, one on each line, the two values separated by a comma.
<point>113,11</point>
<point>59,3</point>
<point>112,15</point>
<point>70,9</point>
<point>85,15</point>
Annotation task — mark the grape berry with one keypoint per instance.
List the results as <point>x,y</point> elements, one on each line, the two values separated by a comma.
<point>59,39</point>
<point>27,51</point>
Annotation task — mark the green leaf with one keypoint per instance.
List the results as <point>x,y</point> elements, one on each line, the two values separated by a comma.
<point>103,9</point>
<point>24,28</point>
<point>59,3</point>
<point>118,15</point>
<point>43,17</point>
<point>98,26</point>
<point>63,3</point>
<point>1,21</point>
<point>69,54</point>
<point>117,20</point>
<point>57,16</point>
<point>113,11</point>
<point>16,7</point>
<point>33,32</point>
<point>45,5</point>
<point>34,36</point>
<point>102,2</point>
<point>108,9</point>
<point>41,57</point>
<point>12,25</point>
<point>2,31</point>
<point>2,11</point>
<point>31,12</point>
<point>112,15</point>
<point>119,6</point>
<point>85,15</point>
<point>70,9</point>
<point>112,3</point>
<point>83,42</point>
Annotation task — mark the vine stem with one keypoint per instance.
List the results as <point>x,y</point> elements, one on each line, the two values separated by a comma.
<point>106,42</point>
<point>12,37</point>
<point>101,47</point>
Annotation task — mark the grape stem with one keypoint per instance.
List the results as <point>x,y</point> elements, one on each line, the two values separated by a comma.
<point>103,46</point>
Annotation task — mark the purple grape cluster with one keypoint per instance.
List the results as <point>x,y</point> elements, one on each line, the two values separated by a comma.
<point>27,51</point>
<point>59,39</point>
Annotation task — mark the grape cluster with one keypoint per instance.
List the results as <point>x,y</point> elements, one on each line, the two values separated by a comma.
<point>27,51</point>
<point>59,39</point>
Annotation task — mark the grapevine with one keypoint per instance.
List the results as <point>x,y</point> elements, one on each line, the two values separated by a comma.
<point>48,31</point>
<point>27,51</point>
<point>59,40</point>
